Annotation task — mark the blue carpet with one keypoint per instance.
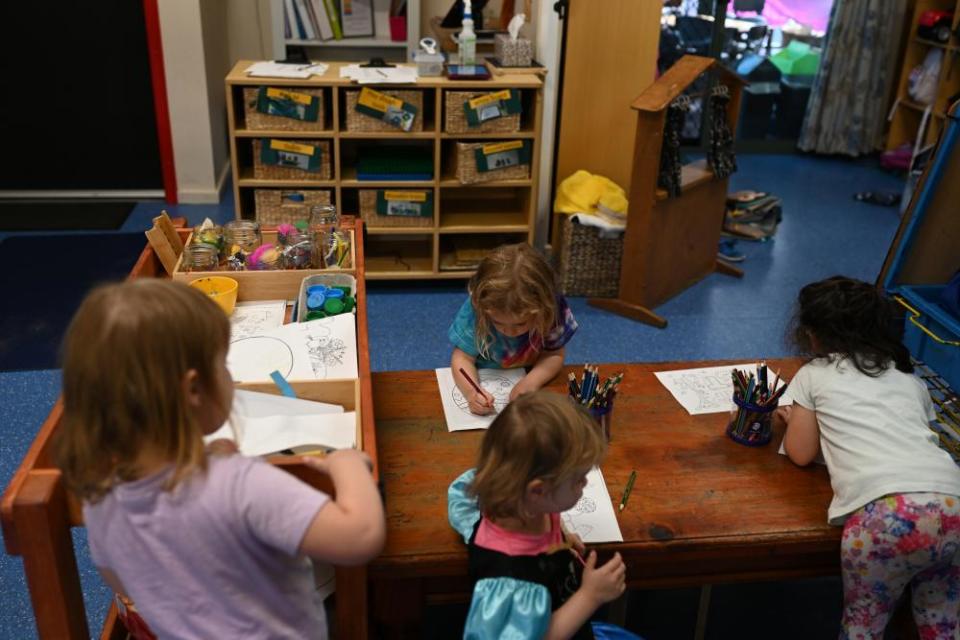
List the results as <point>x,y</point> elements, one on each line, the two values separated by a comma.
<point>824,232</point>
<point>43,279</point>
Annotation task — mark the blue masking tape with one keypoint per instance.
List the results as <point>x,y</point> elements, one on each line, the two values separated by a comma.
<point>282,384</point>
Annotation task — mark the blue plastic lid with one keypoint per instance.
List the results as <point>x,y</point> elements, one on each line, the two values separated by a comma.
<point>317,288</point>
<point>334,293</point>
<point>315,300</point>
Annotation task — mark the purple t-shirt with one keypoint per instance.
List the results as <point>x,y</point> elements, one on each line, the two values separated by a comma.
<point>217,556</point>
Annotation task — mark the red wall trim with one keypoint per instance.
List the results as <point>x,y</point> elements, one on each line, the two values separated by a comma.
<point>161,108</point>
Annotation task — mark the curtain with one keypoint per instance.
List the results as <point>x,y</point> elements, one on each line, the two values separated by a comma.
<point>847,108</point>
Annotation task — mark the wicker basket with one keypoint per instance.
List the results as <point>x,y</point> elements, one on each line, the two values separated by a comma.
<point>368,211</point>
<point>272,172</point>
<point>455,120</point>
<point>360,122</point>
<point>273,207</point>
<point>588,264</point>
<point>465,167</point>
<point>261,121</point>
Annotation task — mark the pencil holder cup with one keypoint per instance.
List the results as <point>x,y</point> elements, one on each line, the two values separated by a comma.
<point>752,423</point>
<point>603,416</point>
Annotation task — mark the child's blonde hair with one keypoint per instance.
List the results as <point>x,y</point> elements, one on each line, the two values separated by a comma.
<point>125,358</point>
<point>540,435</point>
<point>513,279</point>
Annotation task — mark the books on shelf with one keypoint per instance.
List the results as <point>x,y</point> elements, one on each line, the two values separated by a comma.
<point>321,19</point>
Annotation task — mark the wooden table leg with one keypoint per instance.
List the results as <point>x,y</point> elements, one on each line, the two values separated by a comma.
<point>703,610</point>
<point>352,610</point>
<point>398,608</point>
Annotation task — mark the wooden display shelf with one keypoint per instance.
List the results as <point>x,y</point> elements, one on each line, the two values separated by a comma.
<point>453,213</point>
<point>691,176</point>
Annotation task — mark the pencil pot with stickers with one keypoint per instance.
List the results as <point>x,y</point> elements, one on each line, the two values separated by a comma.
<point>752,422</point>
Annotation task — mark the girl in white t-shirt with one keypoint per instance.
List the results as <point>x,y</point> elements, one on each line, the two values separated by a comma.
<point>895,491</point>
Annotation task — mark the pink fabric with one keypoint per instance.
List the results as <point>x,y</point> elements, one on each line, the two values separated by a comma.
<point>512,543</point>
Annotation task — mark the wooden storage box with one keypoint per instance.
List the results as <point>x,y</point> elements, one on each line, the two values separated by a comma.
<point>267,285</point>
<point>455,117</point>
<point>369,214</point>
<point>275,206</point>
<point>258,121</point>
<point>360,122</point>
<point>263,171</point>
<point>588,265</point>
<point>467,171</point>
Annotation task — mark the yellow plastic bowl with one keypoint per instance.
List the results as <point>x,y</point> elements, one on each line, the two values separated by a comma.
<point>221,290</point>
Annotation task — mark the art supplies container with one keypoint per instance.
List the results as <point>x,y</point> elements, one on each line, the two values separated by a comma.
<point>345,281</point>
<point>387,111</point>
<point>279,206</point>
<point>482,111</point>
<point>284,159</point>
<point>476,162</point>
<point>296,246</point>
<point>241,238</point>
<point>266,257</point>
<point>603,416</point>
<point>284,108</point>
<point>210,235</point>
<point>752,424</point>
<point>221,290</point>
<point>331,245</point>
<point>200,257</point>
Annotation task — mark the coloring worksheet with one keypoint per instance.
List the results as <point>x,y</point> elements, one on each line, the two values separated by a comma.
<point>316,350</point>
<point>497,382</point>
<point>709,389</point>
<point>255,317</point>
<point>593,517</point>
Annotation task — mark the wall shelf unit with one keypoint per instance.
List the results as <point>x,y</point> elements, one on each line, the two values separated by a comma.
<point>468,219</point>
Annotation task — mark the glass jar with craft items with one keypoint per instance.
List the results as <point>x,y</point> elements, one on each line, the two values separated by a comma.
<point>331,243</point>
<point>209,234</point>
<point>296,245</point>
<point>241,238</point>
<point>200,257</point>
<point>266,257</point>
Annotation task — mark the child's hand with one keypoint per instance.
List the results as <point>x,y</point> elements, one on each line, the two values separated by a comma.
<point>605,583</point>
<point>480,404</point>
<point>522,387</point>
<point>576,542</point>
<point>222,447</point>
<point>322,463</point>
<point>782,416</point>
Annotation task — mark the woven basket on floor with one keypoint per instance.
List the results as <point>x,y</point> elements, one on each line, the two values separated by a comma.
<point>465,166</point>
<point>588,264</point>
<point>361,122</point>
<point>368,211</point>
<point>273,172</point>
<point>455,119</point>
<point>273,208</point>
<point>260,121</point>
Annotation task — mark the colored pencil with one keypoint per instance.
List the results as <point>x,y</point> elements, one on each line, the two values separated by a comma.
<point>626,492</point>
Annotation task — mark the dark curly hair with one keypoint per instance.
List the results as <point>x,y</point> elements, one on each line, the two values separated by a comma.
<point>851,319</point>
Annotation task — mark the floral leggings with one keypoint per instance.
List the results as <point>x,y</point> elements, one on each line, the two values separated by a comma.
<point>899,540</point>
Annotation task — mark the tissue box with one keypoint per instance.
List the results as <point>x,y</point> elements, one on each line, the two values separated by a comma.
<point>512,53</point>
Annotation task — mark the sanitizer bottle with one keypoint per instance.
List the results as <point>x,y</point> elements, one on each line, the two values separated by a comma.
<point>467,39</point>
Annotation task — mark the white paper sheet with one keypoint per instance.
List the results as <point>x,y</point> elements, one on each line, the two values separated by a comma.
<point>271,69</point>
<point>262,436</point>
<point>709,389</point>
<point>399,74</point>
<point>497,382</point>
<point>593,517</point>
<point>253,404</point>
<point>316,350</point>
<point>256,317</point>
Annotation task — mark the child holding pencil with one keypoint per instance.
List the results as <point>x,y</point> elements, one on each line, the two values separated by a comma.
<point>529,577</point>
<point>207,543</point>
<point>896,493</point>
<point>514,317</point>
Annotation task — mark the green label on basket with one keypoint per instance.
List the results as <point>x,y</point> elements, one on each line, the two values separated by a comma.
<point>283,153</point>
<point>492,106</point>
<point>288,104</point>
<point>491,157</point>
<point>408,204</point>
<point>393,111</point>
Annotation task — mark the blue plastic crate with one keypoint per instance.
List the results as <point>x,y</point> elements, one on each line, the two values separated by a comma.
<point>931,333</point>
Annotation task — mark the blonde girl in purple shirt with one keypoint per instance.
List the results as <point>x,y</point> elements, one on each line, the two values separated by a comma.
<point>207,544</point>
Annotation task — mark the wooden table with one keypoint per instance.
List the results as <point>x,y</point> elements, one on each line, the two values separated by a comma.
<point>703,510</point>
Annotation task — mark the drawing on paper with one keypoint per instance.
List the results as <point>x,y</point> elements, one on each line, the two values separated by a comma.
<point>705,390</point>
<point>249,358</point>
<point>250,320</point>
<point>573,518</point>
<point>497,386</point>
<point>325,351</point>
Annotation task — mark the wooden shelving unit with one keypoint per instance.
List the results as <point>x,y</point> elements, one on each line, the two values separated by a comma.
<point>480,216</point>
<point>908,114</point>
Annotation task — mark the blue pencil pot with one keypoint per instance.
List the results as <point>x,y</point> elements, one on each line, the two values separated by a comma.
<point>603,415</point>
<point>752,425</point>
